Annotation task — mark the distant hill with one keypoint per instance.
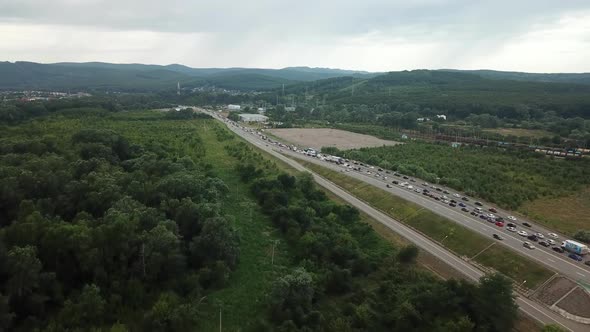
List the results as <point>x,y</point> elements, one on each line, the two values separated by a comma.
<point>140,77</point>
<point>579,78</point>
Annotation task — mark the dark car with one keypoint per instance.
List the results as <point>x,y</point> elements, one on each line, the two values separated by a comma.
<point>493,210</point>
<point>575,257</point>
<point>510,224</point>
<point>452,204</point>
<point>478,204</point>
<point>453,201</point>
<point>544,244</point>
<point>438,189</point>
<point>465,199</point>
<point>437,198</point>
<point>498,237</point>
<point>445,192</point>
<point>388,185</point>
<point>473,213</point>
<point>500,219</point>
<point>412,180</point>
<point>405,177</point>
<point>387,172</point>
<point>481,216</point>
<point>526,224</point>
<point>532,238</point>
<point>462,204</point>
<point>558,249</point>
<point>380,169</point>
<point>465,209</point>
<point>395,182</point>
<point>396,174</point>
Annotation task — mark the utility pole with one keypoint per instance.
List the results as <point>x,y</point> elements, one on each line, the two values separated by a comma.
<point>219,318</point>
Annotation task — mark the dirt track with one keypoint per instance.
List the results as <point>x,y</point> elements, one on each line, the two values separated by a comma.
<point>319,137</point>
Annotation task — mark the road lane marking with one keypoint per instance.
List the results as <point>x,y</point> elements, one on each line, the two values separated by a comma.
<point>549,259</point>
<point>580,274</point>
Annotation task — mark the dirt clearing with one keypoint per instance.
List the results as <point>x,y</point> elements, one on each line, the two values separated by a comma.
<point>323,137</point>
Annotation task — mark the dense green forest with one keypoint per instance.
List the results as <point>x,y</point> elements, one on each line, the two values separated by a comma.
<point>134,221</point>
<point>507,178</point>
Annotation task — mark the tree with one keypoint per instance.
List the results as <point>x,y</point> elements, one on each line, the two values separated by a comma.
<point>85,310</point>
<point>24,268</point>
<point>291,297</point>
<point>161,253</point>
<point>218,240</point>
<point>408,254</point>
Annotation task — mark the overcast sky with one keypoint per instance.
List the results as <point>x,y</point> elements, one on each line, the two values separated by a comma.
<point>373,35</point>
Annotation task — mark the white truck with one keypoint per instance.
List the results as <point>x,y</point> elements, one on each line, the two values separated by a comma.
<point>575,247</point>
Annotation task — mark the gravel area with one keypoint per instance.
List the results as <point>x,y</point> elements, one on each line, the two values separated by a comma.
<point>319,137</point>
<point>553,291</point>
<point>577,303</point>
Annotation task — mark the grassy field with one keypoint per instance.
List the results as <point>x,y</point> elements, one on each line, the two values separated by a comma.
<point>520,132</point>
<point>566,214</point>
<point>455,237</point>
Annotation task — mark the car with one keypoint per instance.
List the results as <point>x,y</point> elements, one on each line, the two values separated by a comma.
<point>425,184</point>
<point>418,190</point>
<point>511,225</point>
<point>478,204</point>
<point>437,198</point>
<point>410,187</point>
<point>522,233</point>
<point>500,219</point>
<point>465,209</point>
<point>558,249</point>
<point>405,177</point>
<point>540,236</point>
<point>498,237</point>
<point>511,218</point>
<point>395,182</point>
<point>388,185</point>
<point>388,172</point>
<point>461,204</point>
<point>526,224</point>
<point>452,204</point>
<point>473,213</point>
<point>532,237</point>
<point>438,189</point>
<point>413,180</point>
<point>493,210</point>
<point>575,257</point>
<point>453,201</point>
<point>481,216</point>
<point>380,169</point>
<point>478,209</point>
<point>551,242</point>
<point>544,243</point>
<point>465,199</point>
<point>553,235</point>
<point>396,174</point>
<point>426,191</point>
<point>445,192</point>
<point>457,195</point>
<point>512,229</point>
<point>528,245</point>
<point>499,224</point>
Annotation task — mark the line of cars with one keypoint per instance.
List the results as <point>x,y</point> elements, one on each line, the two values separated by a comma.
<point>439,194</point>
<point>548,240</point>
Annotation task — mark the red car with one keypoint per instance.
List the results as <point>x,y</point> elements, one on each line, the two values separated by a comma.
<point>500,224</point>
<point>493,210</point>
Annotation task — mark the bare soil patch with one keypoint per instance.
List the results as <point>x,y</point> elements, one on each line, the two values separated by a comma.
<point>576,303</point>
<point>553,291</point>
<point>323,137</point>
<point>534,133</point>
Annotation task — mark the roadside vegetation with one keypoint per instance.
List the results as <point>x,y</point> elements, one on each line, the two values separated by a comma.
<point>457,238</point>
<point>160,221</point>
<point>507,178</point>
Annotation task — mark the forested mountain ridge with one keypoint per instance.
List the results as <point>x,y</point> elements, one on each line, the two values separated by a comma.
<point>140,77</point>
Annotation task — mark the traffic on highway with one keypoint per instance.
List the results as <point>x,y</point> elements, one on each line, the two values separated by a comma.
<point>516,233</point>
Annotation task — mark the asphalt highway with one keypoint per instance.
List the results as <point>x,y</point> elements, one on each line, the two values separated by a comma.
<point>557,262</point>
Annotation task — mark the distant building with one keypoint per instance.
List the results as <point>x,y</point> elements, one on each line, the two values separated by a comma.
<point>423,119</point>
<point>233,107</point>
<point>441,116</point>
<point>261,110</point>
<point>253,118</point>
